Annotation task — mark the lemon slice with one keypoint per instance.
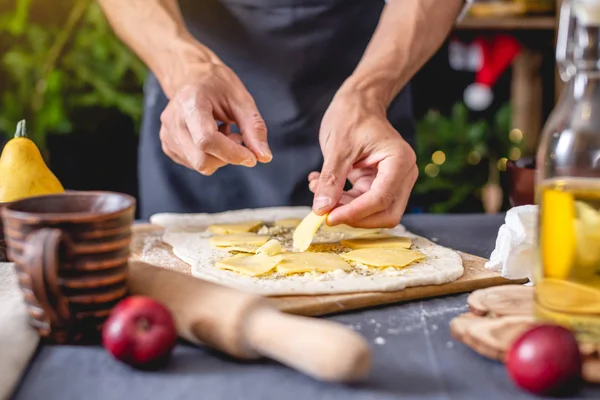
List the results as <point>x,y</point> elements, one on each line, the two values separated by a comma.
<point>557,234</point>
<point>568,297</point>
<point>587,233</point>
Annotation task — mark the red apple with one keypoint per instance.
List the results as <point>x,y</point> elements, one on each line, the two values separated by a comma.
<point>545,360</point>
<point>140,332</point>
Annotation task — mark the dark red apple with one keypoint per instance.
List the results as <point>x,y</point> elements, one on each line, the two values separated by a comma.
<point>140,332</point>
<point>545,360</point>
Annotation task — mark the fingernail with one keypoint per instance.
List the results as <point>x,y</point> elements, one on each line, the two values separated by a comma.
<point>321,202</point>
<point>249,162</point>
<point>263,148</point>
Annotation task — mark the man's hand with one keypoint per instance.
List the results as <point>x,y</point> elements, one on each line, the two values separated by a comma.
<point>201,89</point>
<point>359,144</point>
<point>189,133</point>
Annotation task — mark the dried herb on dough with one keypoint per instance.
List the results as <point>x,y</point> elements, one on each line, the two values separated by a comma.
<point>294,263</point>
<point>187,235</point>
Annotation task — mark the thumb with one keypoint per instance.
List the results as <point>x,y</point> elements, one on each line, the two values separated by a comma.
<point>253,128</point>
<point>331,182</point>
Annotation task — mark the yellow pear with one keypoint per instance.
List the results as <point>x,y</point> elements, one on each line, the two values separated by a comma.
<point>23,172</point>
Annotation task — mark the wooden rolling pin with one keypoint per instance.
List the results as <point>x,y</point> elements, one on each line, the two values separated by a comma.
<point>248,326</point>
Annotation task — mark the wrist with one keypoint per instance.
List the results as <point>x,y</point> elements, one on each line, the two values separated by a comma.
<point>377,90</point>
<point>175,65</point>
<point>369,96</point>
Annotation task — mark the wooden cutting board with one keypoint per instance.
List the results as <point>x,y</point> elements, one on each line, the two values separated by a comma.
<point>147,246</point>
<point>498,316</point>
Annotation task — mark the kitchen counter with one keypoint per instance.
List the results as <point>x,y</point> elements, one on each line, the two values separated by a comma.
<point>414,356</point>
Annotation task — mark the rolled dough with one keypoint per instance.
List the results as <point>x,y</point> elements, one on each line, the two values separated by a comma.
<point>188,235</point>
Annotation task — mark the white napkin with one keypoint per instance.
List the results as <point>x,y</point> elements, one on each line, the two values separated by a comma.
<point>515,255</point>
<point>18,340</point>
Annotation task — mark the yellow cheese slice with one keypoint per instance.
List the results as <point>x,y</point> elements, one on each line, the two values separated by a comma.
<point>384,257</point>
<point>349,231</point>
<point>252,265</point>
<point>243,249</point>
<point>271,248</point>
<point>242,227</point>
<point>288,222</point>
<point>384,242</point>
<point>238,239</point>
<point>304,233</point>
<point>294,263</point>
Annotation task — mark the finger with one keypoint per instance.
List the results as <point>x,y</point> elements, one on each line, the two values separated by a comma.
<point>389,218</point>
<point>167,147</point>
<point>206,136</point>
<point>225,128</point>
<point>313,185</point>
<point>252,126</point>
<point>236,138</point>
<point>382,193</point>
<point>331,181</point>
<point>313,175</point>
<point>193,156</point>
<point>208,165</point>
<point>382,219</point>
<point>346,198</point>
<point>364,183</point>
<point>178,143</point>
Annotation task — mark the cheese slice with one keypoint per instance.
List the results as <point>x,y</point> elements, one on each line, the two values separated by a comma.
<point>304,233</point>
<point>241,227</point>
<point>384,257</point>
<point>288,222</point>
<point>382,242</point>
<point>238,239</point>
<point>271,248</point>
<point>349,231</point>
<point>253,265</point>
<point>243,249</point>
<point>294,263</point>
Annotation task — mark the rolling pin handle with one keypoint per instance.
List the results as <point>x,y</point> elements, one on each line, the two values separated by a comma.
<point>322,349</point>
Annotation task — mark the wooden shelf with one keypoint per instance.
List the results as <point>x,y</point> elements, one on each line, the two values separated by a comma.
<point>508,23</point>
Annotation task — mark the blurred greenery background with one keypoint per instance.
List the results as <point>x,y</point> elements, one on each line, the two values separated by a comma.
<point>60,57</point>
<point>80,90</point>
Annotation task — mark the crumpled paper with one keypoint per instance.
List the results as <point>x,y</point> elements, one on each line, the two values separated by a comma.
<point>516,255</point>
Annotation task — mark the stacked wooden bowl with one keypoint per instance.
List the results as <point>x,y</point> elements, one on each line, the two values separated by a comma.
<point>499,315</point>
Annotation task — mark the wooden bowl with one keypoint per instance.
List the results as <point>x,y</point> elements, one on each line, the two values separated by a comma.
<point>521,181</point>
<point>71,252</point>
<point>3,256</point>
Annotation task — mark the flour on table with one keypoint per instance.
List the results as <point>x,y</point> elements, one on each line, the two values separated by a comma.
<point>188,236</point>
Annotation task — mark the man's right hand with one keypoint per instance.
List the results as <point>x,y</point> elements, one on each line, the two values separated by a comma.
<point>189,133</point>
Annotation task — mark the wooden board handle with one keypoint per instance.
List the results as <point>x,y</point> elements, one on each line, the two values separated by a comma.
<point>248,326</point>
<point>320,348</point>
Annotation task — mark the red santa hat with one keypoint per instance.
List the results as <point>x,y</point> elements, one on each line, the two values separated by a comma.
<point>493,58</point>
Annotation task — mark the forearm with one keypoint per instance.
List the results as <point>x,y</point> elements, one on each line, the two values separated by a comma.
<point>156,32</point>
<point>408,34</point>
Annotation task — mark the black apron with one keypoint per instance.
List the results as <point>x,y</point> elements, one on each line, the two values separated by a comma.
<point>292,55</point>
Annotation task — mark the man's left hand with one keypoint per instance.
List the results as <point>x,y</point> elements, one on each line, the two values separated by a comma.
<point>359,144</point>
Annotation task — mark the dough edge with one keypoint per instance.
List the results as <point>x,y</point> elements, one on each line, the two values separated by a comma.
<point>442,264</point>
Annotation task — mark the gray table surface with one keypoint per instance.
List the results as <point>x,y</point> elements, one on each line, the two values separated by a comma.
<point>414,356</point>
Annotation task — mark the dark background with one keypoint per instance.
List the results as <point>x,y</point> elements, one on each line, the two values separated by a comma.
<point>100,153</point>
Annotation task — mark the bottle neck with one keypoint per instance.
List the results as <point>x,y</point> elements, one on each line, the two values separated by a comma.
<point>586,49</point>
